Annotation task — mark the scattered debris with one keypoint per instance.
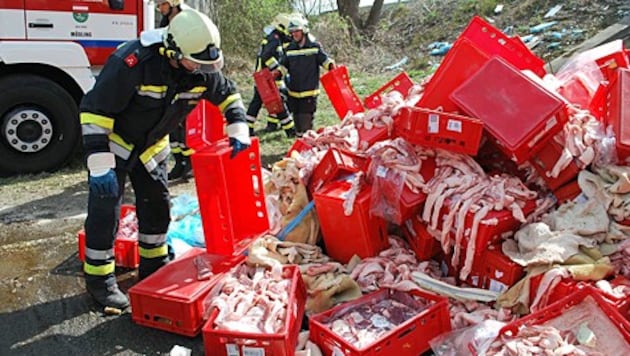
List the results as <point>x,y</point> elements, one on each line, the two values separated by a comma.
<point>553,11</point>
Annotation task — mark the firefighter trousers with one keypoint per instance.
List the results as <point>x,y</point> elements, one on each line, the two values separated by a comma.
<point>152,211</point>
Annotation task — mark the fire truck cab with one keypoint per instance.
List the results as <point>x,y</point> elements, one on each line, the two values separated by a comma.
<point>50,53</point>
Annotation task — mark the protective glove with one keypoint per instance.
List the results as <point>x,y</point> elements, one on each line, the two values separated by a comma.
<point>238,132</point>
<point>103,180</point>
<point>237,146</point>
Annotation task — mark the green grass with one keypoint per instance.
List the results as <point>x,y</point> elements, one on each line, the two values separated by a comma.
<point>274,145</point>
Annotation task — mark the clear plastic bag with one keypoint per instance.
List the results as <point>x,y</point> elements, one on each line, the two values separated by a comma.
<point>387,186</point>
<point>473,340</point>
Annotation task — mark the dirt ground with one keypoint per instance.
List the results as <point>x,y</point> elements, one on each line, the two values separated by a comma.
<point>43,306</point>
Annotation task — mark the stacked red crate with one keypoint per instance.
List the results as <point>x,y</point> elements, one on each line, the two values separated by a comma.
<point>346,235</point>
<point>495,271</point>
<point>518,112</point>
<point>337,85</point>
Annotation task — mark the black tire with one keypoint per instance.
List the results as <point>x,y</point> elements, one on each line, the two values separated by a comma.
<point>46,96</point>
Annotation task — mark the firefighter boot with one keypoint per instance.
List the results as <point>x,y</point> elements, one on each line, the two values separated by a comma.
<point>290,132</point>
<point>105,292</point>
<point>182,168</point>
<point>149,265</point>
<point>271,127</point>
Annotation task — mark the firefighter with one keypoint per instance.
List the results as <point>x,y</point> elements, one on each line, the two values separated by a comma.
<point>145,89</point>
<point>168,9</point>
<point>181,153</point>
<point>303,57</point>
<point>271,50</point>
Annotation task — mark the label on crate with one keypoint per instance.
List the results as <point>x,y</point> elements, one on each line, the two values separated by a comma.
<point>253,351</point>
<point>434,123</point>
<point>496,286</point>
<point>454,125</point>
<point>232,350</point>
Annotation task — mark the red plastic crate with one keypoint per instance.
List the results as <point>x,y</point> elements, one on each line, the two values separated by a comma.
<point>437,129</point>
<point>344,236</point>
<point>520,114</point>
<point>268,90</point>
<point>479,42</point>
<point>171,299</point>
<point>420,240</point>
<point>227,342</point>
<point>231,197</point>
<point>409,338</point>
<point>567,192</point>
<point>298,146</point>
<point>489,233</point>
<point>547,315</point>
<point>400,83</point>
<point>564,288</point>
<point>621,304</point>
<point>493,41</point>
<point>494,270</point>
<point>450,74</point>
<point>125,248</point>
<point>609,57</point>
<point>334,164</point>
<point>204,126</point>
<point>546,158</point>
<point>337,85</point>
<point>619,112</point>
<point>398,209</point>
<point>369,137</point>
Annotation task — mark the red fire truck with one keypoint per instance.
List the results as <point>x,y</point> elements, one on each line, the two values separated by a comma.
<point>50,53</point>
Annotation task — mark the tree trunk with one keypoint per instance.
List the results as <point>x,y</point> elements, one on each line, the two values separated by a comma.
<point>375,15</point>
<point>349,10</point>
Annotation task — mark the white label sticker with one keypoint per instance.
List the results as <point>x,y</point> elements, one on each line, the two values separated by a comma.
<point>232,350</point>
<point>381,172</point>
<point>474,280</point>
<point>253,351</point>
<point>434,123</point>
<point>496,286</point>
<point>454,125</point>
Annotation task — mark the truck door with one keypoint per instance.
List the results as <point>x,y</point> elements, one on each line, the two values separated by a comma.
<point>12,24</point>
<point>99,26</point>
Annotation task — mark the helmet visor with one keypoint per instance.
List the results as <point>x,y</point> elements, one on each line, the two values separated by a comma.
<point>209,68</point>
<point>211,59</point>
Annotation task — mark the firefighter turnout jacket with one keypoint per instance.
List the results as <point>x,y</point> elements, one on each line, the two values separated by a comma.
<point>139,98</point>
<point>302,64</point>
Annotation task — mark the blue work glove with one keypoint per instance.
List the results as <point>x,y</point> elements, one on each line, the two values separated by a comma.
<point>105,185</point>
<point>237,146</point>
<point>103,180</point>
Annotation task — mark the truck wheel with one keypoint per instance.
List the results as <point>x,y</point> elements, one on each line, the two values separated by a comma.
<point>39,125</point>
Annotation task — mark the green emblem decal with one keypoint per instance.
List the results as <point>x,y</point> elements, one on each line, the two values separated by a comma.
<point>80,17</point>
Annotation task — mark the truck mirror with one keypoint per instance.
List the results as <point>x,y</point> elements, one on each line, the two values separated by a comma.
<point>116,4</point>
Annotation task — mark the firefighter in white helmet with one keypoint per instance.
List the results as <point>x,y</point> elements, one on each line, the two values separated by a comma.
<point>304,56</point>
<point>271,50</point>
<point>168,9</point>
<point>145,89</point>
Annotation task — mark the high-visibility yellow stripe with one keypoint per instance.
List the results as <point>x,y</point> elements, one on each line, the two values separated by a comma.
<point>288,126</point>
<point>302,52</point>
<point>114,137</point>
<point>153,252</point>
<point>155,149</point>
<point>271,62</point>
<point>188,152</point>
<point>199,89</point>
<point>273,120</point>
<point>229,100</point>
<point>153,88</point>
<point>304,94</point>
<point>99,270</point>
<point>98,120</point>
